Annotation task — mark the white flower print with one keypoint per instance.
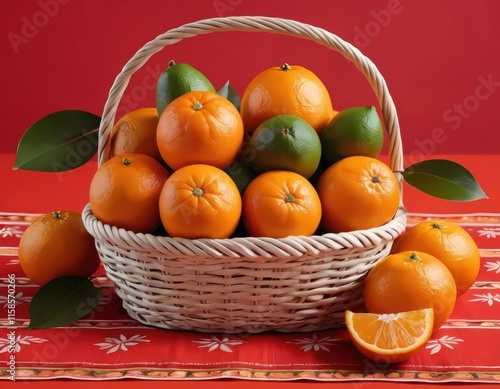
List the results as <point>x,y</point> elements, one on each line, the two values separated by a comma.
<point>214,343</point>
<point>489,232</point>
<point>313,343</point>
<point>10,231</point>
<point>493,266</point>
<point>4,232</point>
<point>113,344</point>
<point>447,341</point>
<point>6,343</point>
<point>486,298</point>
<point>18,299</point>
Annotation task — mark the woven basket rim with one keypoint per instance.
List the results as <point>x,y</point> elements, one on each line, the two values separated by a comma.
<point>169,282</point>
<point>295,246</point>
<point>320,243</point>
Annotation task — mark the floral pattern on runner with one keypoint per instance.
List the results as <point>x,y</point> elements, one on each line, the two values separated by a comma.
<point>6,343</point>
<point>121,343</point>
<point>487,298</point>
<point>489,232</point>
<point>314,343</point>
<point>108,344</point>
<point>223,344</point>
<point>493,266</point>
<point>18,299</point>
<point>435,345</point>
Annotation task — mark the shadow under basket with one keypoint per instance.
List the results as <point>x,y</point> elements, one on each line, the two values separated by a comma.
<point>245,284</point>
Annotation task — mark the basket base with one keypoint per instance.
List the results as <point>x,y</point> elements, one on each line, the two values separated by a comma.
<point>231,326</point>
<point>212,289</point>
<point>319,311</point>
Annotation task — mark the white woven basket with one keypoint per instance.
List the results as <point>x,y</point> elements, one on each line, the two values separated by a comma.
<point>301,283</point>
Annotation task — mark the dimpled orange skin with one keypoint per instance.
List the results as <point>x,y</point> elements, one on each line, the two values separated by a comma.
<point>278,204</point>
<point>200,201</point>
<point>199,128</point>
<point>135,133</point>
<point>57,244</point>
<point>357,193</point>
<point>296,91</point>
<point>449,243</point>
<point>124,192</point>
<point>408,281</point>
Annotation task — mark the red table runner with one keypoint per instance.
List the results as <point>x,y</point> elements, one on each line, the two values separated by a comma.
<point>107,344</point>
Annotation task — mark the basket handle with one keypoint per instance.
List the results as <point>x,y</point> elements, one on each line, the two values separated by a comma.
<point>261,24</point>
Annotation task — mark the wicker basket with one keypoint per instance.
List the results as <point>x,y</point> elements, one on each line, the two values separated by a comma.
<point>244,284</point>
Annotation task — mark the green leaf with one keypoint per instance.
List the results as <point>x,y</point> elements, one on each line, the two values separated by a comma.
<point>228,92</point>
<point>444,179</point>
<point>62,301</point>
<point>59,142</point>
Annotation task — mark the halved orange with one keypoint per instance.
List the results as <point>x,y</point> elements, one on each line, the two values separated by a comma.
<point>390,337</point>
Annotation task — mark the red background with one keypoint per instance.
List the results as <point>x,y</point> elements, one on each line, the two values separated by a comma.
<point>63,54</point>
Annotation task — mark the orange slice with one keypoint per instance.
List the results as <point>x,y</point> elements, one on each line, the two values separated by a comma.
<point>390,337</point>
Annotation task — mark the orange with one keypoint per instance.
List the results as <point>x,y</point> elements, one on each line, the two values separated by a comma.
<point>278,203</point>
<point>408,281</point>
<point>390,337</point>
<point>292,90</point>
<point>449,243</point>
<point>136,133</point>
<point>357,193</point>
<point>200,128</point>
<point>125,190</point>
<point>57,244</point>
<point>200,201</point>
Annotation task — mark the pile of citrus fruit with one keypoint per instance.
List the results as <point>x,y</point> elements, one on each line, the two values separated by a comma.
<point>278,163</point>
<point>412,292</point>
<point>282,162</point>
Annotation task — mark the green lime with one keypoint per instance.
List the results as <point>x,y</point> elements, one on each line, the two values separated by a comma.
<point>285,142</point>
<point>353,131</point>
<point>241,174</point>
<point>176,80</point>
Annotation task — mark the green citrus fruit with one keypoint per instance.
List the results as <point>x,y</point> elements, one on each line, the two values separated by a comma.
<point>178,79</point>
<point>353,131</point>
<point>285,142</point>
<point>241,174</point>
